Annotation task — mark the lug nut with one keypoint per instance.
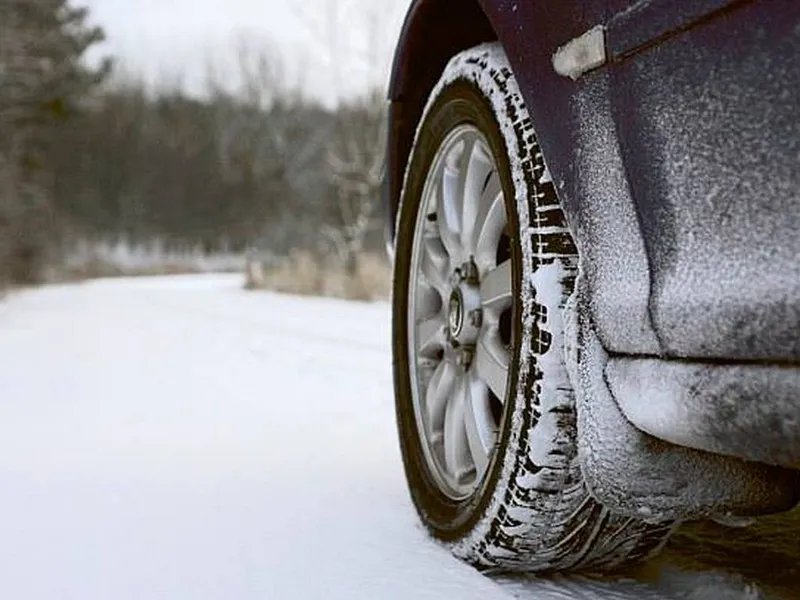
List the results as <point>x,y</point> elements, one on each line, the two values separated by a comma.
<point>469,272</point>
<point>476,317</point>
<point>465,356</point>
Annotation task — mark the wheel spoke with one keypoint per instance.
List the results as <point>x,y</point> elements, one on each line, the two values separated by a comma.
<point>479,423</point>
<point>491,362</point>
<point>496,288</point>
<point>456,447</point>
<point>448,212</point>
<point>490,220</point>
<point>437,395</point>
<point>476,165</point>
<point>430,336</point>
<point>428,300</point>
<point>434,263</point>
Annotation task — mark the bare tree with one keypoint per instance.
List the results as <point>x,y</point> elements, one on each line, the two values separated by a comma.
<point>355,160</point>
<point>354,36</point>
<point>352,41</point>
<point>268,141</point>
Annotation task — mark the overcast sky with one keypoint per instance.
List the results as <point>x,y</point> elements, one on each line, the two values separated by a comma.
<point>164,39</point>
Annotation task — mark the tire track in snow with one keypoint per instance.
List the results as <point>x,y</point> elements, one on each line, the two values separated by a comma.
<point>559,587</point>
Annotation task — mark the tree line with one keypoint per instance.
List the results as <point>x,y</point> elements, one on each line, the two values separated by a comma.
<point>86,153</point>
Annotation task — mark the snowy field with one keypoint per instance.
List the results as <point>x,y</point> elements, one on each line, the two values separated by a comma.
<point>179,438</point>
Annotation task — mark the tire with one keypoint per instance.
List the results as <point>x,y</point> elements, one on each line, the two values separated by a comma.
<point>523,505</point>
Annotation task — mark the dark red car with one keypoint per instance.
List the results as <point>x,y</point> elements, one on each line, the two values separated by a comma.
<point>596,232</point>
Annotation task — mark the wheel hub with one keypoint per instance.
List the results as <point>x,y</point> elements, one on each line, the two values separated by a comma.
<point>464,314</point>
<point>455,316</point>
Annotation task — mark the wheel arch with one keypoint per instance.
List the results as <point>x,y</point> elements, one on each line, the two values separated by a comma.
<point>430,37</point>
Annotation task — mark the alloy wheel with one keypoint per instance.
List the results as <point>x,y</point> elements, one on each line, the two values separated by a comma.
<point>460,303</point>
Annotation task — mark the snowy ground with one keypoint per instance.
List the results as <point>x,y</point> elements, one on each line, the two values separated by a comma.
<point>179,438</point>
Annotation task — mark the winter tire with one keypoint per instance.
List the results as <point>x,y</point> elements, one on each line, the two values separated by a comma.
<point>484,264</point>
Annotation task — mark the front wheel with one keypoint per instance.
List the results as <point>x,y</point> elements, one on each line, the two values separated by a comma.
<point>484,264</point>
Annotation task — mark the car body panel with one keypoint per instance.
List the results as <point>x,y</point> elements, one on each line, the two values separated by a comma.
<point>646,23</point>
<point>677,164</point>
<point>709,131</point>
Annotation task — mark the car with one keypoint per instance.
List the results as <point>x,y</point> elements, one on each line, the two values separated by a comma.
<point>595,228</point>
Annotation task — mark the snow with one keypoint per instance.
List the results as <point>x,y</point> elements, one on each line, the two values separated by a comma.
<point>581,54</point>
<point>181,438</point>
<point>152,258</point>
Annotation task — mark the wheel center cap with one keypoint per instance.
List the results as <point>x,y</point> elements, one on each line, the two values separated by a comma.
<point>455,313</point>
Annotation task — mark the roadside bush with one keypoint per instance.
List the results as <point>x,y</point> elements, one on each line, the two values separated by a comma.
<point>308,274</point>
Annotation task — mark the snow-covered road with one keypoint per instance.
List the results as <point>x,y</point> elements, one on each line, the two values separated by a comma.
<point>179,438</point>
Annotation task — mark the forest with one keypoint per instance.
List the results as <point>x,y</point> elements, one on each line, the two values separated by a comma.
<point>91,157</point>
